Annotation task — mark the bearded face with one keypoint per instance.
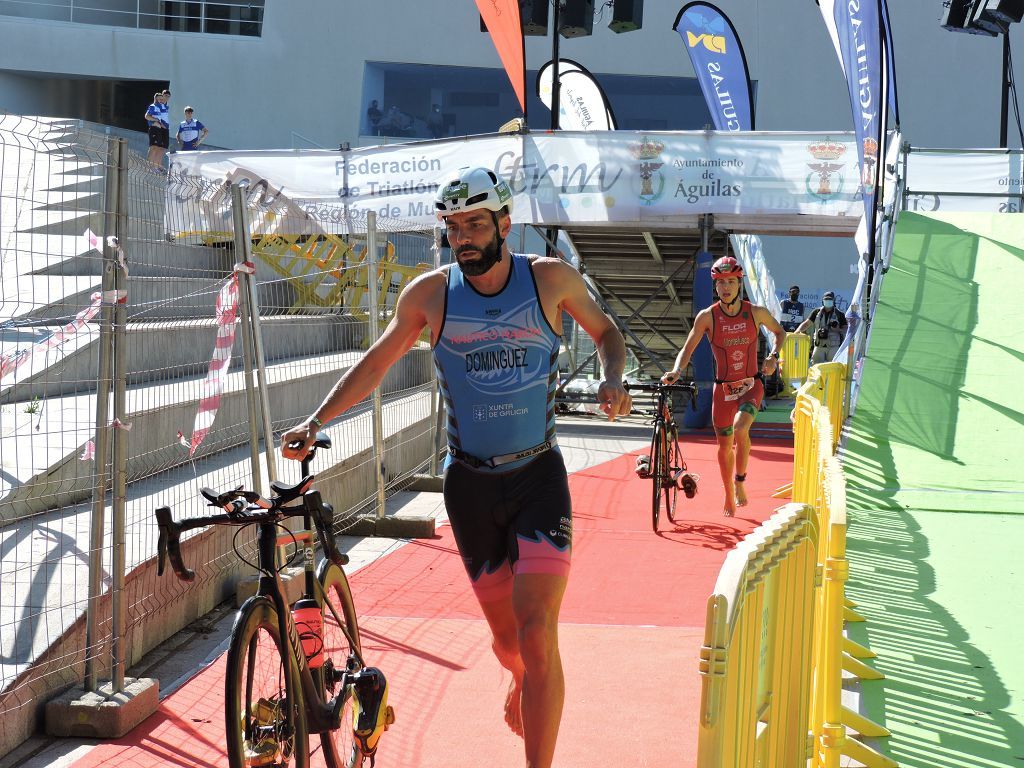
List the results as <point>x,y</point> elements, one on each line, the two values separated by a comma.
<point>477,260</point>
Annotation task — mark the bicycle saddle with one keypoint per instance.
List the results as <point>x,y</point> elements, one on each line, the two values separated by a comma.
<point>284,493</point>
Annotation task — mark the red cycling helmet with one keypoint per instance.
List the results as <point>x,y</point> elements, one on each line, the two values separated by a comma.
<point>725,267</point>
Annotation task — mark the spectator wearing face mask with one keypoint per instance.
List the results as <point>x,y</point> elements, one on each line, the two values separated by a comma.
<point>828,326</point>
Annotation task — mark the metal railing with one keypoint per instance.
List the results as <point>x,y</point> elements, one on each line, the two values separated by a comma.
<point>774,653</point>
<point>206,16</point>
<point>108,333</point>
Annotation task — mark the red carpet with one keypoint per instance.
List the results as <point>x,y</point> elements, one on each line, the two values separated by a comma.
<point>632,625</point>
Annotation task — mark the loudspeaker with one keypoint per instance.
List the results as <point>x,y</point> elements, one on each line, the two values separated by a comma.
<point>627,15</point>
<point>982,22</point>
<point>958,17</point>
<point>577,18</point>
<point>534,15</point>
<point>1001,12</point>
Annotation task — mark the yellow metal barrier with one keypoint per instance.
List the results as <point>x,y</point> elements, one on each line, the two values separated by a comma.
<point>324,271</point>
<point>795,358</point>
<point>756,657</point>
<point>774,651</point>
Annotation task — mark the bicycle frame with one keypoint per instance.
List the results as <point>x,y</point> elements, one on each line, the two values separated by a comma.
<point>321,715</point>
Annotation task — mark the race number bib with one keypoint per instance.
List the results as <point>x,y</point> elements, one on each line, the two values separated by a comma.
<point>737,389</point>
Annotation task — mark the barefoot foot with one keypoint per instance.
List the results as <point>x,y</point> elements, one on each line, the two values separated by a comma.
<point>514,709</point>
<point>741,494</point>
<point>730,506</point>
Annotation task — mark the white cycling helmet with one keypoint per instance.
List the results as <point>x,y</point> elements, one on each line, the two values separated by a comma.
<point>475,188</point>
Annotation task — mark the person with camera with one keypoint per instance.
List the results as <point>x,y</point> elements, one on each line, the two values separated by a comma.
<point>829,325</point>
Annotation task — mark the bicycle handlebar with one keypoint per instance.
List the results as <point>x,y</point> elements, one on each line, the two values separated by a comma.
<point>238,513</point>
<point>689,386</point>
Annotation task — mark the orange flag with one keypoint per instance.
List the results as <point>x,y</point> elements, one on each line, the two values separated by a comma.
<point>502,20</point>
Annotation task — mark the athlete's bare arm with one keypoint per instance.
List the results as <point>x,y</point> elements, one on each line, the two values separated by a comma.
<point>701,326</point>
<point>562,287</point>
<point>419,305</point>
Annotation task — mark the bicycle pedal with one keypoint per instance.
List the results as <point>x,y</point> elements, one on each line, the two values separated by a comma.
<point>643,467</point>
<point>688,485</point>
<point>261,753</point>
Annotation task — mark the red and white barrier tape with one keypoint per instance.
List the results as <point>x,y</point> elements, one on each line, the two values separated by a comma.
<point>213,386</point>
<point>11,362</point>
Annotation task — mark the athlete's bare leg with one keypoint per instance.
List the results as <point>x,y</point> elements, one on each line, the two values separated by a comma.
<point>525,630</point>
<point>727,467</point>
<point>741,432</point>
<point>536,601</point>
<point>501,619</point>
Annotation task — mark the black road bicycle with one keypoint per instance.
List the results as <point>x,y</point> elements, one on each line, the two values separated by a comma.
<point>291,670</point>
<point>666,466</point>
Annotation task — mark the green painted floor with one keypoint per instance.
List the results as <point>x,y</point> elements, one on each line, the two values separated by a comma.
<point>935,483</point>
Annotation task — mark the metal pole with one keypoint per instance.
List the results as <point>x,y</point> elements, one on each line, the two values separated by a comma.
<point>371,291</point>
<point>246,313</point>
<point>245,255</point>
<point>436,411</point>
<point>1004,113</point>
<point>556,108</point>
<point>119,461</point>
<point>103,383</point>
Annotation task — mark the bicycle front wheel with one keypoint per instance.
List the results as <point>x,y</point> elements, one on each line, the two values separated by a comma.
<point>657,472</point>
<point>264,712</point>
<point>341,643</point>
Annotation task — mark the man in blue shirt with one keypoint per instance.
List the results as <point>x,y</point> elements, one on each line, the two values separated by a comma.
<point>191,132</point>
<point>159,128</point>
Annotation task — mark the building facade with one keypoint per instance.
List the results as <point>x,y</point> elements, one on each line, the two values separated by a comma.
<point>304,74</point>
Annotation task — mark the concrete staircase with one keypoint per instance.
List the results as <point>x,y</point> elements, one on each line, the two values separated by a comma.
<point>49,406</point>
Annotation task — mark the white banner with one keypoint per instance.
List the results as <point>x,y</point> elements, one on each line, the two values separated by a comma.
<point>582,105</point>
<point>597,177</point>
<point>985,181</point>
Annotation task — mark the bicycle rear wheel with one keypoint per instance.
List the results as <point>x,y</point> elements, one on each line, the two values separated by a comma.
<point>341,641</point>
<point>675,466</point>
<point>264,712</point>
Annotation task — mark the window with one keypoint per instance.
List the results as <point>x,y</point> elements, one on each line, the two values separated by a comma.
<point>406,95</point>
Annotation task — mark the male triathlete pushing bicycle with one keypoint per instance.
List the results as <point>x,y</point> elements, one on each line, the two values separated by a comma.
<point>493,327</point>
<point>731,325</point>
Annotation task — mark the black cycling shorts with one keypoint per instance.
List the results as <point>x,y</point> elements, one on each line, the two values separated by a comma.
<point>509,523</point>
<point>159,137</point>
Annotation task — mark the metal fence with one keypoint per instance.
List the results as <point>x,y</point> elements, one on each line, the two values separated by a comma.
<point>108,327</point>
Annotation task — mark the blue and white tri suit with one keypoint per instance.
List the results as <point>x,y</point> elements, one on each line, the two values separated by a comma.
<point>506,488</point>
